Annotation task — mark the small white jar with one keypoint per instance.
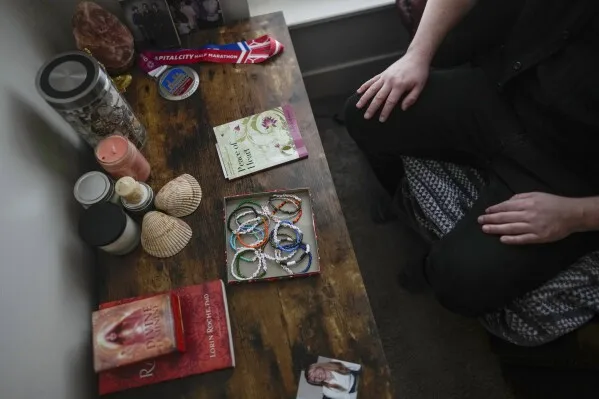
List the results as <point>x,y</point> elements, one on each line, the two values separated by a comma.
<point>108,227</point>
<point>136,197</point>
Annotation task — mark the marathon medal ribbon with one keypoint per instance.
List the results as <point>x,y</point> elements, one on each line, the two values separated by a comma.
<point>247,52</point>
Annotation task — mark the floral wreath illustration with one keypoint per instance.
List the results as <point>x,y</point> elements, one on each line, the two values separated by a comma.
<point>259,129</point>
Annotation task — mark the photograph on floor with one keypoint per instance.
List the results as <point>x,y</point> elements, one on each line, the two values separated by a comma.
<point>192,15</point>
<point>150,23</point>
<point>326,378</point>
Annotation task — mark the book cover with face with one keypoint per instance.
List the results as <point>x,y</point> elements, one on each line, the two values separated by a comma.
<point>136,331</point>
<point>207,337</point>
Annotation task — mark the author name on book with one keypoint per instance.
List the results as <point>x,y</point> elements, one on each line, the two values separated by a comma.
<point>209,326</point>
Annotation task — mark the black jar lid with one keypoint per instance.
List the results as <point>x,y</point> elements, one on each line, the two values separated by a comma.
<point>71,80</point>
<point>102,224</point>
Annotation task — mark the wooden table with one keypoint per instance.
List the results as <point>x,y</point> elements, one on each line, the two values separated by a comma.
<point>275,325</point>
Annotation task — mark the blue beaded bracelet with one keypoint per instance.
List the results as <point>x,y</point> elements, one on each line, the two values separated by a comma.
<point>299,236</point>
<point>306,248</point>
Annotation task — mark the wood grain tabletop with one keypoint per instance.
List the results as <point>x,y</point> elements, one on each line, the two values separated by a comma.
<point>276,325</point>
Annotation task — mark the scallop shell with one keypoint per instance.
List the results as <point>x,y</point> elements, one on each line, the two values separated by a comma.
<point>179,197</point>
<point>163,235</point>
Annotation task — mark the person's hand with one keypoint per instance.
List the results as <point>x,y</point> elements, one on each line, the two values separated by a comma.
<point>532,218</point>
<point>405,78</point>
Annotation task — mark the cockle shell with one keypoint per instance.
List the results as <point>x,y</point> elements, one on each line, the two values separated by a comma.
<point>179,197</point>
<point>163,235</point>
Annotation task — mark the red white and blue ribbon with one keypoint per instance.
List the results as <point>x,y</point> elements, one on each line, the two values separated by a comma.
<point>246,52</point>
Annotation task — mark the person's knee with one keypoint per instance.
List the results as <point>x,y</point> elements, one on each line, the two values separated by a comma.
<point>459,282</point>
<point>354,117</point>
<point>350,110</point>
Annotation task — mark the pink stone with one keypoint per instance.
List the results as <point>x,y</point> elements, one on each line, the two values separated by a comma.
<point>101,32</point>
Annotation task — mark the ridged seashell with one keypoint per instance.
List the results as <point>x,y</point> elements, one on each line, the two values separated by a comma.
<point>179,197</point>
<point>163,235</point>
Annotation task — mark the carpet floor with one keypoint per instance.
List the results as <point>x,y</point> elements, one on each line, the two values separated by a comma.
<point>432,352</point>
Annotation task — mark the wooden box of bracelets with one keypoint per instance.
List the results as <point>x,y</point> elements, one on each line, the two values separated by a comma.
<point>270,236</point>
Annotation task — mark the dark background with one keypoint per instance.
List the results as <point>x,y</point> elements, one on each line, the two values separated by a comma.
<point>201,21</point>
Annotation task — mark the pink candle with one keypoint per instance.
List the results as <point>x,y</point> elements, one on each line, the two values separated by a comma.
<point>119,157</point>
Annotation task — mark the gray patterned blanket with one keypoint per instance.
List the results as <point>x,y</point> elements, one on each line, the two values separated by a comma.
<point>444,192</point>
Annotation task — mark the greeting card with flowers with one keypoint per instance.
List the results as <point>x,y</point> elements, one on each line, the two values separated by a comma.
<point>259,142</point>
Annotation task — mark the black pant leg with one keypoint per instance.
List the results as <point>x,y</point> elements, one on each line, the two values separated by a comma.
<point>472,272</point>
<point>459,117</point>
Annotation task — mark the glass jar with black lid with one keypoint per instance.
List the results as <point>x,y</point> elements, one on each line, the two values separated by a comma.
<point>108,227</point>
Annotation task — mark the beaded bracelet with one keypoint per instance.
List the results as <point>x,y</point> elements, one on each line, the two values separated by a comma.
<point>278,261</point>
<point>293,218</point>
<point>249,203</point>
<point>306,248</point>
<point>283,237</point>
<point>242,229</point>
<point>286,237</point>
<point>249,225</point>
<point>299,236</point>
<point>257,233</point>
<point>278,257</point>
<point>258,273</point>
<point>284,201</point>
<point>235,212</point>
<point>286,196</point>
<point>261,207</point>
<point>288,270</point>
<point>241,215</point>
<point>287,265</point>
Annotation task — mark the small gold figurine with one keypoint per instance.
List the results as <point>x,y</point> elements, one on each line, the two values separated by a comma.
<point>121,82</point>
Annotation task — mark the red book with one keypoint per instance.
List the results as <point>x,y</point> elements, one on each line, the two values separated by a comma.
<point>209,344</point>
<point>136,331</point>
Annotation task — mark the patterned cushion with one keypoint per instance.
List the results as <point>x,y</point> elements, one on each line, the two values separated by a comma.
<point>443,192</point>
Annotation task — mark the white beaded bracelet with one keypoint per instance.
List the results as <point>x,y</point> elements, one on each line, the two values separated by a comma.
<point>248,223</point>
<point>298,232</point>
<point>287,196</point>
<point>257,256</point>
<point>239,216</point>
<point>278,258</point>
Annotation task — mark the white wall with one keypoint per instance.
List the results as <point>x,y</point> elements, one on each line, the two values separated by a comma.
<point>46,292</point>
<point>46,288</point>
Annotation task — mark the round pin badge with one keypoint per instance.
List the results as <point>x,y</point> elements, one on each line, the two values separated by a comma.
<point>178,83</point>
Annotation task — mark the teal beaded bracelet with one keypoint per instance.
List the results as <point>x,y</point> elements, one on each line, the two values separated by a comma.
<point>257,233</point>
